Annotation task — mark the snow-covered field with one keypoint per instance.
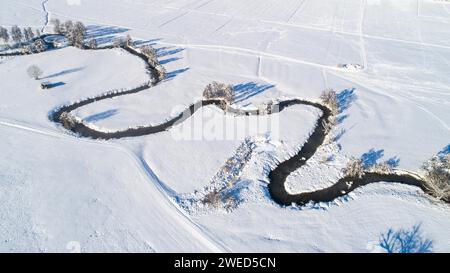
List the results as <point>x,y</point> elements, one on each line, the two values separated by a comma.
<point>60,192</point>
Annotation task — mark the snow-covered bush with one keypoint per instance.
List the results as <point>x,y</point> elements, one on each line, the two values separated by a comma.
<point>129,41</point>
<point>150,53</point>
<point>383,168</point>
<point>92,44</point>
<point>39,45</point>
<point>354,168</point>
<point>68,121</point>
<point>34,72</point>
<point>213,199</point>
<point>437,176</point>
<point>329,99</point>
<point>160,72</point>
<point>217,90</point>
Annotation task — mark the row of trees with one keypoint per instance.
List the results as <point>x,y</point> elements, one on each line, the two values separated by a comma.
<point>75,33</point>
<point>18,35</point>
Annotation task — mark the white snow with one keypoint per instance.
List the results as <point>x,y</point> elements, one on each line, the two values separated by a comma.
<point>59,191</point>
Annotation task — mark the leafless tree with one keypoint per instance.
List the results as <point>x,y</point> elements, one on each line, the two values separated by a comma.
<point>329,98</point>
<point>16,34</point>
<point>68,27</point>
<point>38,33</point>
<point>28,34</point>
<point>34,72</point>
<point>78,34</point>
<point>4,35</point>
<point>354,168</point>
<point>128,41</point>
<point>161,72</point>
<point>437,176</point>
<point>57,27</point>
<point>150,53</point>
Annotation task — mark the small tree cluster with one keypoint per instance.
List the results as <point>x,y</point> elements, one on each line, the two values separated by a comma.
<point>220,199</point>
<point>354,168</point>
<point>74,33</point>
<point>216,90</point>
<point>34,72</point>
<point>437,176</point>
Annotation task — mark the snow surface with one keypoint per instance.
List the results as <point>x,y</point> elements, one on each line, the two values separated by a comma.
<point>58,191</point>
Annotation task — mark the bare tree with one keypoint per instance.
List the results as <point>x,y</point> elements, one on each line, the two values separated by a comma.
<point>16,34</point>
<point>78,34</point>
<point>34,72</point>
<point>28,34</point>
<point>128,41</point>
<point>437,176</point>
<point>161,72</point>
<point>354,168</point>
<point>216,90</point>
<point>329,98</point>
<point>57,27</point>
<point>4,35</point>
<point>38,33</point>
<point>68,27</point>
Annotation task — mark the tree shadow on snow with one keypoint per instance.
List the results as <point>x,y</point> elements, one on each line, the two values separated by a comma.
<point>64,72</point>
<point>166,51</point>
<point>405,241</point>
<point>173,74</point>
<point>247,90</point>
<point>445,151</point>
<point>372,157</point>
<point>102,115</point>
<point>345,99</point>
